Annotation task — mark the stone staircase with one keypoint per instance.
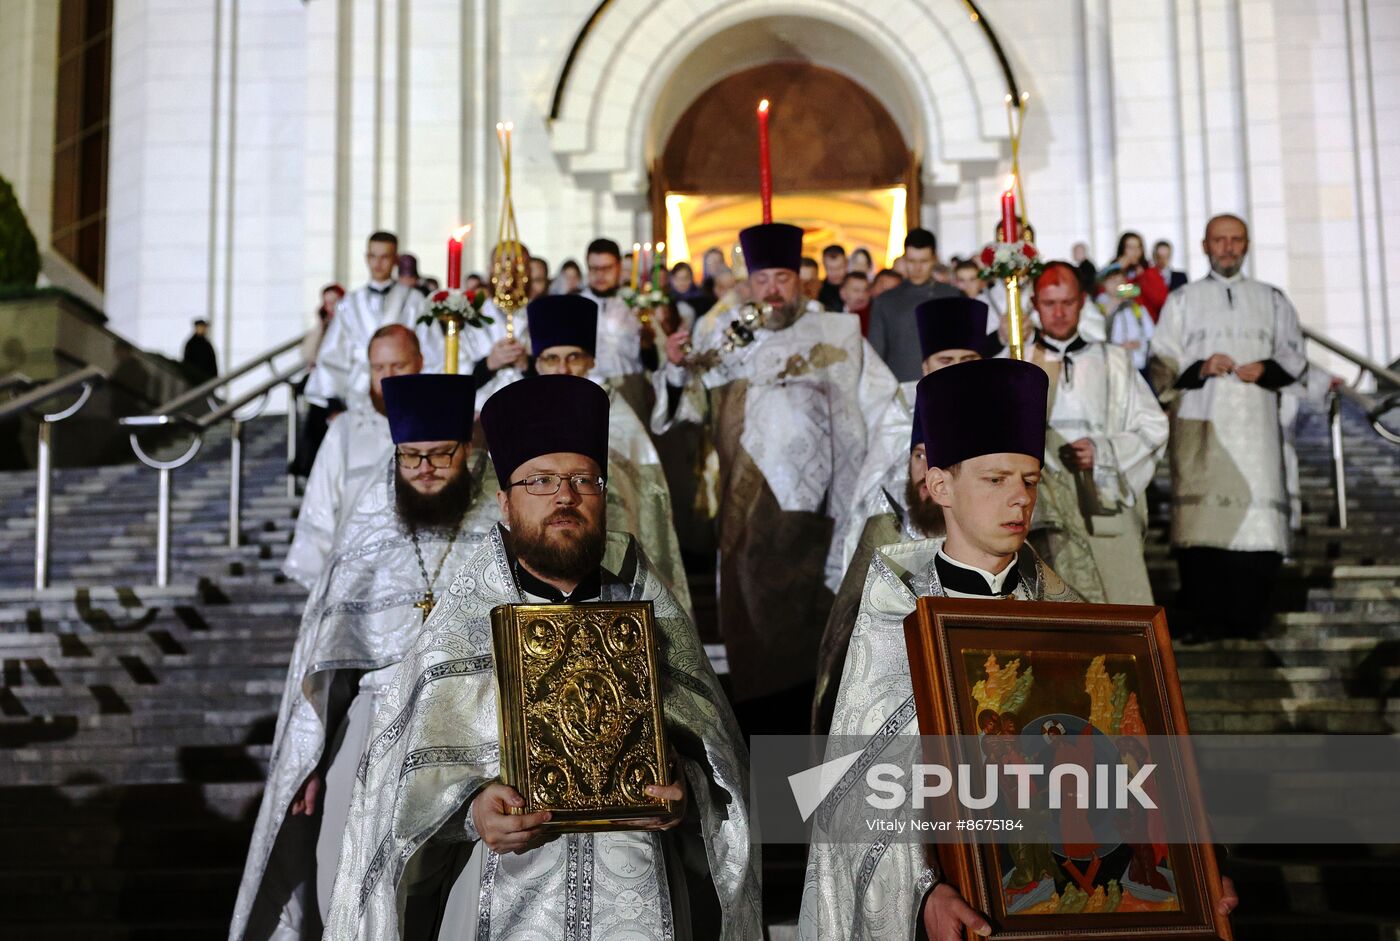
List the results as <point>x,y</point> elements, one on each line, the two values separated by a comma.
<point>135,722</point>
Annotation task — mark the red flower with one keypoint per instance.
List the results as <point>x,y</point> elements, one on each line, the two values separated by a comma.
<point>989,255</point>
<point>1028,250</point>
<point>440,296</point>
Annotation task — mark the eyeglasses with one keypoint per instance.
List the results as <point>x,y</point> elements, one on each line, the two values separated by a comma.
<point>412,460</point>
<point>544,485</point>
<point>552,360</point>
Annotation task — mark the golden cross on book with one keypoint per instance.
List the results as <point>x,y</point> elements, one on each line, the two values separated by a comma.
<point>426,605</point>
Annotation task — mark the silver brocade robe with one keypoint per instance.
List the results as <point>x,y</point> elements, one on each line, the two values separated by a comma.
<point>356,447</point>
<point>1228,487</point>
<point>885,470</point>
<point>436,743</point>
<point>872,892</point>
<point>790,417</point>
<point>360,617</point>
<point>342,362</point>
<point>1094,520</point>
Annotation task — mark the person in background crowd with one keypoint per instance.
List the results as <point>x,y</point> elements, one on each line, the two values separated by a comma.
<point>1131,257</point>
<point>809,278</point>
<point>408,271</point>
<point>429,286</point>
<point>314,424</point>
<point>900,266</point>
<point>1129,324</point>
<point>862,263</point>
<point>199,362</point>
<point>893,330</point>
<point>855,299</point>
<point>1088,274</point>
<point>967,277</point>
<point>942,274</point>
<point>539,277</point>
<point>1162,261</point>
<point>473,282</point>
<point>570,280</point>
<point>836,264</point>
<point>882,282</point>
<point>690,299</point>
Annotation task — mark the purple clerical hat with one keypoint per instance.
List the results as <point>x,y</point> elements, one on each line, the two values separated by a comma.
<point>429,407</point>
<point>546,415</point>
<point>408,265</point>
<point>563,320</point>
<point>990,406</point>
<point>916,437</point>
<point>951,323</point>
<point>772,245</point>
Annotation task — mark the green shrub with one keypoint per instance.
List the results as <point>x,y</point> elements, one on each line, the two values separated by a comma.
<point>19,255</point>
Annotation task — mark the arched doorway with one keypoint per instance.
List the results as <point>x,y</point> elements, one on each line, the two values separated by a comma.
<point>842,168</point>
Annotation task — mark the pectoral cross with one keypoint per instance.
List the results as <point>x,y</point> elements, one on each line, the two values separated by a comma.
<point>426,605</point>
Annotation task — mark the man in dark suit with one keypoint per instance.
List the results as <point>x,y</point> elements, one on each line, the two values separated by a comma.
<point>199,361</point>
<point>1162,261</point>
<point>893,331</point>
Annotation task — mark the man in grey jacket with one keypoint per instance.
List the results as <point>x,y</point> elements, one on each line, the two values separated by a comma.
<point>893,332</point>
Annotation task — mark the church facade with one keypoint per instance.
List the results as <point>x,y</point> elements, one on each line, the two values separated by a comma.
<point>252,144</point>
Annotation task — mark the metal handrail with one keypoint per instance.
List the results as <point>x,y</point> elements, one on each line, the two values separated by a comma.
<point>173,415</point>
<point>23,403</point>
<point>1374,406</point>
<point>206,389</point>
<point>86,379</point>
<point>16,380</point>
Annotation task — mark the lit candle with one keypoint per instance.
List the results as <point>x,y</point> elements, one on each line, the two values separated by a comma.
<point>454,257</point>
<point>656,265</point>
<point>644,260</point>
<point>636,263</point>
<point>1008,212</point>
<point>765,167</point>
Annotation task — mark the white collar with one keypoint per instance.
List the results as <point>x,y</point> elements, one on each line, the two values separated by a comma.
<point>381,285</point>
<point>993,581</point>
<point>1234,279</point>
<point>1059,346</point>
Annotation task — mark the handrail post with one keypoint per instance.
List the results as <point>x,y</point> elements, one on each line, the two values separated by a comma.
<point>1339,468</point>
<point>163,528</point>
<point>42,506</point>
<point>235,482</point>
<point>292,419</point>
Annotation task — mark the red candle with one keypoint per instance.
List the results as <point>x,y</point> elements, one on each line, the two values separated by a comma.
<point>1008,213</point>
<point>765,167</point>
<point>454,257</point>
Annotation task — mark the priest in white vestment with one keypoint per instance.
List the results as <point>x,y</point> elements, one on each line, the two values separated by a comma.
<point>352,453</point>
<point>789,404</point>
<point>627,350</point>
<point>1106,434</point>
<point>397,550</point>
<point>429,795</point>
<point>1224,348</point>
<point>340,379</point>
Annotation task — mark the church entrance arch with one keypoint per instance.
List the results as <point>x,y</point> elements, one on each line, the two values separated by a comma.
<point>842,168</point>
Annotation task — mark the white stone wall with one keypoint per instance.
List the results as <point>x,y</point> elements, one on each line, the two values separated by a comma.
<point>255,143</point>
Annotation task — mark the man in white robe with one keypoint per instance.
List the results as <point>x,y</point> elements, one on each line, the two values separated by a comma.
<point>429,792</point>
<point>1106,435</point>
<point>397,551</point>
<point>789,404</point>
<point>353,452</point>
<point>340,379</point>
<point>1224,347</point>
<point>951,330</point>
<point>626,347</point>
<point>984,429</point>
<point>564,342</point>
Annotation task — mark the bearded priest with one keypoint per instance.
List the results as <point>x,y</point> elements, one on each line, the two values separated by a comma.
<point>431,839</point>
<point>394,555</point>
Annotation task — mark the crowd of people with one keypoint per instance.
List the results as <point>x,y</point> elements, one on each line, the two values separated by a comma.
<point>832,439</point>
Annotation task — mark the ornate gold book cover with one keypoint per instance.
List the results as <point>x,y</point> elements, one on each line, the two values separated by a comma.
<point>579,702</point>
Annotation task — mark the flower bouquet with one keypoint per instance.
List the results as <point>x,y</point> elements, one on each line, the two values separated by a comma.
<point>1003,260</point>
<point>452,304</point>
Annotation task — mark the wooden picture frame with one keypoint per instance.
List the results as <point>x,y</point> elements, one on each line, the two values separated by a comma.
<point>954,643</point>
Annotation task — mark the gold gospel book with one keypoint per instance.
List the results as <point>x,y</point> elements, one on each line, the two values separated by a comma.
<point>579,703</point>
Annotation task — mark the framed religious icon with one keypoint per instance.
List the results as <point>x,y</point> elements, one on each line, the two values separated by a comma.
<point>1075,699</point>
<point>579,708</point>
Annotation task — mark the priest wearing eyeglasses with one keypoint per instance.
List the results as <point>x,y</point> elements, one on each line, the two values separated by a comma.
<point>394,555</point>
<point>432,847</point>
